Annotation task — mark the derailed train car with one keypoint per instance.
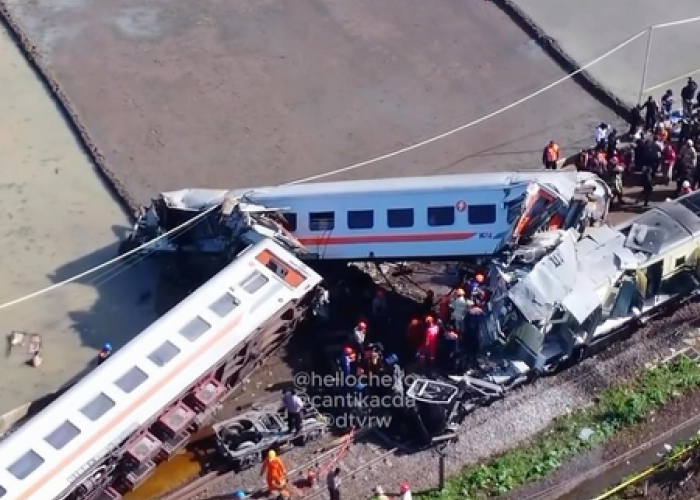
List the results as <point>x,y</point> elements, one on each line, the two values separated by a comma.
<point>420,218</point>
<point>567,292</point>
<point>105,435</point>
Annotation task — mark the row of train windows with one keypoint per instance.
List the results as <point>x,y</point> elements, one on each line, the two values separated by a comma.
<point>396,218</point>
<point>133,378</point>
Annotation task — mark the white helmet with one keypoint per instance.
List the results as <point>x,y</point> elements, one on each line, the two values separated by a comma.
<point>686,184</point>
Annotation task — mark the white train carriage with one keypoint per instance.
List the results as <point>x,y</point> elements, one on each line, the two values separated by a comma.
<point>414,218</point>
<point>105,435</point>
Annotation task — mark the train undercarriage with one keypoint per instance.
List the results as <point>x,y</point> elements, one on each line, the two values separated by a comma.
<point>132,462</point>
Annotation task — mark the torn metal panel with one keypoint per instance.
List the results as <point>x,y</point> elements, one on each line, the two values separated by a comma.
<point>194,199</point>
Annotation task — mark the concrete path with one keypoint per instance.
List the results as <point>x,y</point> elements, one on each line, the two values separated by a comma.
<point>57,220</point>
<point>586,30</point>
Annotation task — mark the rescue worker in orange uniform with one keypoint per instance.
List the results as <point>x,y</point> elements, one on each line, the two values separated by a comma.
<point>550,155</point>
<point>432,335</point>
<point>276,473</point>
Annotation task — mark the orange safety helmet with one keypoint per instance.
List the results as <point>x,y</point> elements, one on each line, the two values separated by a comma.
<point>348,351</point>
<point>459,292</point>
<point>404,487</point>
<point>429,320</point>
<point>415,322</point>
<point>479,278</point>
<point>362,326</point>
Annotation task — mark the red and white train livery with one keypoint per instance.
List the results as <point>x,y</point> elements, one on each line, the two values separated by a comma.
<point>106,434</point>
<point>413,218</point>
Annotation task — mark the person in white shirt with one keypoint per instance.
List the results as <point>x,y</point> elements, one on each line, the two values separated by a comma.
<point>601,135</point>
<point>406,491</point>
<point>293,404</point>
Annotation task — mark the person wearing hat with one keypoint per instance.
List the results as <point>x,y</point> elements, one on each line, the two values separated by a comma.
<point>104,353</point>
<point>276,472</point>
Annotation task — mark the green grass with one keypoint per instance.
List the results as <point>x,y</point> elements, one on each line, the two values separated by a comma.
<point>615,410</point>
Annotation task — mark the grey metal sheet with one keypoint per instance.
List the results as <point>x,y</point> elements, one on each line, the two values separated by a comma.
<point>194,199</point>
<point>654,232</point>
<point>682,214</point>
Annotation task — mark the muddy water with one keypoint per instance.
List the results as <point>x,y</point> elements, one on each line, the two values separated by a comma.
<point>648,458</point>
<point>168,476</point>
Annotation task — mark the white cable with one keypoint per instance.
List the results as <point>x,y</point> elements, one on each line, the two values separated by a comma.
<point>334,172</point>
<point>108,263</point>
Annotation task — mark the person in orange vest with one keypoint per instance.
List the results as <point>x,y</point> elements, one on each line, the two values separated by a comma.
<point>550,155</point>
<point>276,472</point>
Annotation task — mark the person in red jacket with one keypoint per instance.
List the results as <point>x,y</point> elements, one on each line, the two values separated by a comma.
<point>432,334</point>
<point>668,160</point>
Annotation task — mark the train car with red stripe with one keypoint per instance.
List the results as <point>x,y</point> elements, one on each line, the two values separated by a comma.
<point>106,434</point>
<point>413,218</point>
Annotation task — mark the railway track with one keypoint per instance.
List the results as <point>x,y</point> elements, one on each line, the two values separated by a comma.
<point>336,452</point>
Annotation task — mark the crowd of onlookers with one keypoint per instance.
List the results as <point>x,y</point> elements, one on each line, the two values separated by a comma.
<point>659,147</point>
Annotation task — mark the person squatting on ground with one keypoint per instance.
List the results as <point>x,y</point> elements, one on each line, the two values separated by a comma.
<point>294,406</point>
<point>333,484</point>
<point>276,473</point>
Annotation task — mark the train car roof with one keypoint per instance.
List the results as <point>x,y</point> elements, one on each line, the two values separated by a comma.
<point>564,182</point>
<point>660,229</point>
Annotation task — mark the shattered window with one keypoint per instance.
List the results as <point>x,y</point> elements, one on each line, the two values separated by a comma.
<point>399,217</point>
<point>481,214</point>
<point>361,219</point>
<point>322,221</point>
<point>441,216</point>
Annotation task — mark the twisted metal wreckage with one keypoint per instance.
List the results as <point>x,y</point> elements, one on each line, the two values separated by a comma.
<point>558,285</point>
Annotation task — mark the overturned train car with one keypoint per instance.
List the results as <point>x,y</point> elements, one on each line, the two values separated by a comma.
<point>105,435</point>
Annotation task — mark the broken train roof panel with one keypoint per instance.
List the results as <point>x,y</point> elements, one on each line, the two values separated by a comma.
<point>661,229</point>
<point>576,275</point>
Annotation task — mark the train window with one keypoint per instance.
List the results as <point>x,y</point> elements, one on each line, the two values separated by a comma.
<point>254,282</point>
<point>361,219</point>
<point>97,407</point>
<point>291,221</point>
<point>163,354</point>
<point>2,491</point>
<point>441,216</point>
<point>131,379</point>
<point>62,435</point>
<point>322,221</point>
<point>221,306</point>
<point>680,261</point>
<point>198,327</point>
<point>399,217</point>
<point>25,465</point>
<point>481,214</point>
<point>288,274</point>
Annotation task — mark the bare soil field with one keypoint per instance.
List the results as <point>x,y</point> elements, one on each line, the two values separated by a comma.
<point>218,94</point>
